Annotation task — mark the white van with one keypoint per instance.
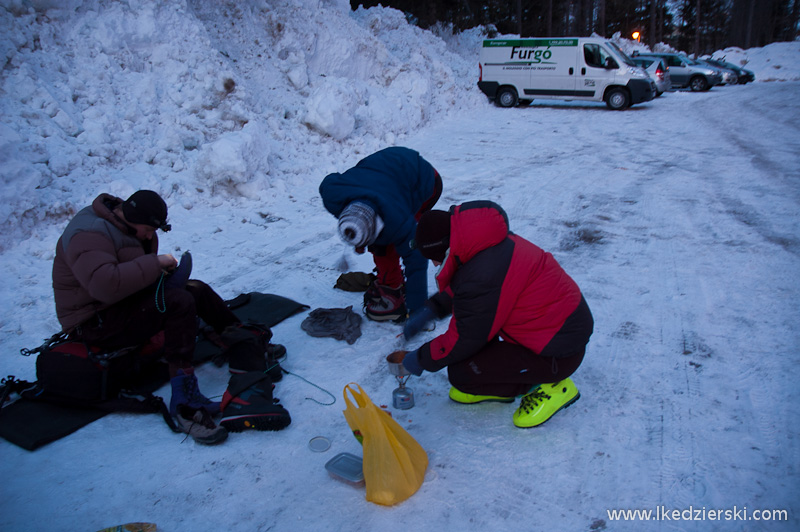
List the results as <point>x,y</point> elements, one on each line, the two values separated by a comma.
<point>516,71</point>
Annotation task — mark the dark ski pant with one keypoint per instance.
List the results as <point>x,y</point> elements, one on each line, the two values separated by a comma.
<point>139,317</point>
<point>506,369</point>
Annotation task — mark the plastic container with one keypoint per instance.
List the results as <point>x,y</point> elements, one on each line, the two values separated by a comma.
<point>347,467</point>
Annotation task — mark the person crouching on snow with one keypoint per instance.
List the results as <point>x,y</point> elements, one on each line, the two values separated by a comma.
<point>378,203</point>
<point>519,323</point>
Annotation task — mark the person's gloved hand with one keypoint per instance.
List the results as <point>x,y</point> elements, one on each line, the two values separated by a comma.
<point>418,321</point>
<point>411,363</point>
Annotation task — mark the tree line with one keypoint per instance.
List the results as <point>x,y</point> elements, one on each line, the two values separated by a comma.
<point>695,26</point>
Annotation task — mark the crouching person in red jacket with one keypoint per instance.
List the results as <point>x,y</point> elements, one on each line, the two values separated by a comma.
<point>519,324</point>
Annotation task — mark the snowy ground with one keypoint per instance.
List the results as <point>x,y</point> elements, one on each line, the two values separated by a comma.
<point>678,218</point>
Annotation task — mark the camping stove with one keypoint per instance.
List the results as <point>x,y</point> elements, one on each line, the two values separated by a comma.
<point>402,397</point>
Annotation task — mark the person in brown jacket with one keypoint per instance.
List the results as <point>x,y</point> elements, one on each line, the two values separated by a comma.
<point>112,290</point>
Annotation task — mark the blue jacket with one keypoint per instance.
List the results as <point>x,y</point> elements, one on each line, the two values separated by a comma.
<point>395,182</point>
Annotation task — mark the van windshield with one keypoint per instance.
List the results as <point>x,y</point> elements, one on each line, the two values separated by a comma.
<point>625,59</point>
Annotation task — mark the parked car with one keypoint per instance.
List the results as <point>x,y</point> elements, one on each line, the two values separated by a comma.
<point>729,77</point>
<point>683,73</point>
<point>744,75</point>
<point>657,69</point>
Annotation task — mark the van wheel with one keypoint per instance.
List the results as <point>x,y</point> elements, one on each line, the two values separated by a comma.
<point>698,84</point>
<point>618,99</point>
<point>506,97</point>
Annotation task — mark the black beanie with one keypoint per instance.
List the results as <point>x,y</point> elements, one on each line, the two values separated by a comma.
<point>433,235</point>
<point>147,208</point>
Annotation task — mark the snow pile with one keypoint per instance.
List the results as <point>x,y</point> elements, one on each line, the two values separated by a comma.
<point>774,62</point>
<point>225,98</point>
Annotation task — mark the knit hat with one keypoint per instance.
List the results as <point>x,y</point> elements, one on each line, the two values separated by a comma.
<point>433,235</point>
<point>359,226</point>
<point>147,208</point>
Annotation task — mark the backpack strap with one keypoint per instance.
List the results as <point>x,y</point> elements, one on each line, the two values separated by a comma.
<point>10,385</point>
<point>146,403</point>
<point>142,403</point>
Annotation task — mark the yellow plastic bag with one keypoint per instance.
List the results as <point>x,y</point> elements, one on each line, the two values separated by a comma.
<point>394,463</point>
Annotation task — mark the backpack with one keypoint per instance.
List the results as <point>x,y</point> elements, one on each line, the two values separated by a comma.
<point>70,372</point>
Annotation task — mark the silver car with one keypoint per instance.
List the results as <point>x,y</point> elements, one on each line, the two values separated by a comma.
<point>657,70</point>
<point>729,77</point>
<point>684,73</point>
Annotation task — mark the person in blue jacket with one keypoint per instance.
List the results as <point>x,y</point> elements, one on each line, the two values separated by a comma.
<point>378,203</point>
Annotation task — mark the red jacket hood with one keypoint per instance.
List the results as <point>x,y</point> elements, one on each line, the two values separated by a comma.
<point>474,226</point>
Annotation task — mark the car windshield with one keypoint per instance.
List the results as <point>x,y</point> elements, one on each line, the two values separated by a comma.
<point>625,59</point>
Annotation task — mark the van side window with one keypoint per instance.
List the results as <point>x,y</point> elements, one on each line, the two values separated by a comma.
<point>591,54</point>
<point>595,56</point>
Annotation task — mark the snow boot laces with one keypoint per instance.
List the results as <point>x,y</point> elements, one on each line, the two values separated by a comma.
<point>542,403</point>
<point>185,391</point>
<point>197,423</point>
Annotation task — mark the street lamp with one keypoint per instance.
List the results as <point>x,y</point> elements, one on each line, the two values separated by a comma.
<point>636,35</point>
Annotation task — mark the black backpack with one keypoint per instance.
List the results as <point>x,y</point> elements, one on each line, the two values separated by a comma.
<point>70,372</point>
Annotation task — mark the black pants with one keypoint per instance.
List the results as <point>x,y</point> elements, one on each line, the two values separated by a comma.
<point>139,317</point>
<point>506,369</point>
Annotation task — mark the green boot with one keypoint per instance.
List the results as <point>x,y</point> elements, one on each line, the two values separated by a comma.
<point>540,405</point>
<point>468,399</point>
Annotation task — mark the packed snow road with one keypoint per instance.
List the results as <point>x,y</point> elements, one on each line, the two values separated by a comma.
<point>679,220</point>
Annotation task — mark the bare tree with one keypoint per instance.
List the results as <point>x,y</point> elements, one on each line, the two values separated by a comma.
<point>697,29</point>
<point>653,23</point>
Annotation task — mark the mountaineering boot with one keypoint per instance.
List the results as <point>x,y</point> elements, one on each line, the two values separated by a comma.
<point>384,303</point>
<point>248,404</point>
<point>248,349</point>
<point>540,404</point>
<point>469,399</point>
<point>197,423</point>
<point>186,392</point>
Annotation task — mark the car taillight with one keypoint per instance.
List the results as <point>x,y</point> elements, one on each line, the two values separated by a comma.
<point>480,75</point>
<point>660,73</point>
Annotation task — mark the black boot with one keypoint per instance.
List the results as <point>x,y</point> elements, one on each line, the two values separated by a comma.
<point>248,404</point>
<point>248,349</point>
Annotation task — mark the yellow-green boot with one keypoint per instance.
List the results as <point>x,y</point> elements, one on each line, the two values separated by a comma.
<point>469,399</point>
<point>540,405</point>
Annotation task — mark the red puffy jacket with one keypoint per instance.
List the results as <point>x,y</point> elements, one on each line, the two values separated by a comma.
<point>496,283</point>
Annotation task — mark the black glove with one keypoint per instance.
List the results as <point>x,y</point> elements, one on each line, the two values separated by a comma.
<point>411,363</point>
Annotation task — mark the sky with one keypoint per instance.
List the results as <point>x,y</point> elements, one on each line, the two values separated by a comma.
<point>678,218</point>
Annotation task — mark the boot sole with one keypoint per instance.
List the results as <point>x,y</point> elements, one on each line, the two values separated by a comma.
<point>508,400</point>
<point>219,437</point>
<point>262,422</point>
<point>566,405</point>
<point>395,318</point>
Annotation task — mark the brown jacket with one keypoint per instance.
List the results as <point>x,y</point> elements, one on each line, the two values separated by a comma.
<point>99,261</point>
